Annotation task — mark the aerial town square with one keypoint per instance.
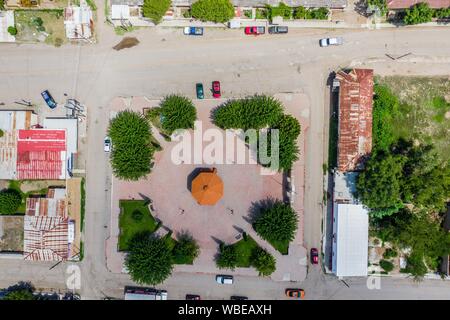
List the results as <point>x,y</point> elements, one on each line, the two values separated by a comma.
<point>224,150</point>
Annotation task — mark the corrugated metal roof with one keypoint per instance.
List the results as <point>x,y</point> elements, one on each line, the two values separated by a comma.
<point>355,117</point>
<point>351,240</point>
<point>41,154</point>
<point>404,4</point>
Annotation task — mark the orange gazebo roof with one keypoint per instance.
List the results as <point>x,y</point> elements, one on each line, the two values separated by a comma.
<point>207,188</point>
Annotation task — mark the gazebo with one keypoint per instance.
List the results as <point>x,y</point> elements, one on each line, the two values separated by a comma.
<point>207,187</point>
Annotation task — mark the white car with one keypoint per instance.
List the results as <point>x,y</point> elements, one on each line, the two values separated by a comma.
<point>107,144</point>
<point>331,41</point>
<point>224,279</point>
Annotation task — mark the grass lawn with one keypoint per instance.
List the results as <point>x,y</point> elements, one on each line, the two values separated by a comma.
<point>16,185</point>
<point>40,26</point>
<point>128,223</point>
<point>244,249</point>
<point>424,111</point>
<point>283,247</point>
<point>171,243</point>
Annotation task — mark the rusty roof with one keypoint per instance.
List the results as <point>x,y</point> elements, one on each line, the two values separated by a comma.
<point>355,117</point>
<point>404,4</point>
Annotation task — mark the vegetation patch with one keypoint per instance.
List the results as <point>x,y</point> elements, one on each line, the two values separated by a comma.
<point>135,218</point>
<point>10,201</point>
<point>185,249</point>
<point>176,112</point>
<point>218,11</point>
<point>155,9</point>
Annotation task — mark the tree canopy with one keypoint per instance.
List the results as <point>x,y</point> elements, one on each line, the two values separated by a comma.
<point>149,259</point>
<point>155,9</point>
<point>177,112</point>
<point>132,150</point>
<point>263,261</point>
<point>227,258</point>
<point>419,13</point>
<point>186,249</point>
<point>10,201</point>
<point>219,11</point>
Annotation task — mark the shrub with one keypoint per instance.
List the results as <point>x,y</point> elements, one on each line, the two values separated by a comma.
<point>389,253</point>
<point>137,215</point>
<point>303,13</point>
<point>248,13</point>
<point>282,10</point>
<point>261,13</point>
<point>132,151</point>
<point>2,133</point>
<point>227,258</point>
<point>155,9</point>
<point>263,261</point>
<point>419,13</point>
<point>300,13</point>
<point>149,260</point>
<point>443,13</point>
<point>10,201</point>
<point>385,107</point>
<point>386,265</point>
<point>380,4</point>
<point>276,223</point>
<point>219,11</point>
<point>319,13</point>
<point>177,112</point>
<point>186,249</point>
<point>12,30</point>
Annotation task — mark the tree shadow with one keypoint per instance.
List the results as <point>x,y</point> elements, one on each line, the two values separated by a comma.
<point>257,207</point>
<point>194,174</point>
<point>21,285</point>
<point>217,241</point>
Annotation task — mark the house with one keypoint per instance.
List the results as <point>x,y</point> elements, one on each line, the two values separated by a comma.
<point>355,118</point>
<point>47,228</point>
<point>78,22</point>
<point>405,4</point>
<point>350,240</point>
<point>11,122</point>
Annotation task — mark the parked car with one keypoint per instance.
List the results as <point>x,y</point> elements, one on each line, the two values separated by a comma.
<point>224,279</point>
<point>107,144</point>
<point>295,293</point>
<point>325,42</point>
<point>216,89</point>
<point>49,99</point>
<point>314,256</point>
<point>193,31</point>
<point>278,29</point>
<point>192,297</point>
<point>238,298</point>
<point>255,30</point>
<point>199,91</point>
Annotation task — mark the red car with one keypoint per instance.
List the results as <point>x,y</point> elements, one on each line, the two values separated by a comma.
<point>314,256</point>
<point>216,89</point>
<point>255,30</point>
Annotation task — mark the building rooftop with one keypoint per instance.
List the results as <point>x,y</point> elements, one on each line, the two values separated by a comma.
<point>41,154</point>
<point>53,205</point>
<point>351,240</point>
<point>345,187</point>
<point>404,4</point>
<point>355,117</point>
<point>78,22</point>
<point>71,127</point>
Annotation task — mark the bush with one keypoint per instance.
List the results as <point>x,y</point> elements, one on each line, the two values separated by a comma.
<point>419,13</point>
<point>443,13</point>
<point>386,265</point>
<point>132,151</point>
<point>263,261</point>
<point>177,112</point>
<point>385,108</point>
<point>10,201</point>
<point>186,249</point>
<point>282,10</point>
<point>155,9</point>
<point>255,112</point>
<point>276,223</point>
<point>303,13</point>
<point>261,13</point>
<point>389,253</point>
<point>219,11</point>
<point>149,260</point>
<point>137,215</point>
<point>12,30</point>
<point>380,4</point>
<point>227,258</point>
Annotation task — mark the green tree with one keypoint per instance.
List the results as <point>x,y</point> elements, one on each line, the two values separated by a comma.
<point>282,10</point>
<point>379,185</point>
<point>186,249</point>
<point>419,13</point>
<point>227,258</point>
<point>385,108</point>
<point>132,150</point>
<point>149,259</point>
<point>155,9</point>
<point>380,4</point>
<point>300,13</point>
<point>386,265</point>
<point>10,201</point>
<point>319,13</point>
<point>276,222</point>
<point>263,261</point>
<point>12,30</point>
<point>219,11</point>
<point>23,294</point>
<point>177,112</point>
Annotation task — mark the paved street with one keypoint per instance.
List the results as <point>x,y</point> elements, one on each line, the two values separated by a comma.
<point>165,62</point>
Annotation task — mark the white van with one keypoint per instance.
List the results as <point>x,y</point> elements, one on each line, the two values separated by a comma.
<point>224,279</point>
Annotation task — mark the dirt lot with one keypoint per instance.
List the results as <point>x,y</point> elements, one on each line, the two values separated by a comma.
<point>40,26</point>
<point>424,113</point>
<point>11,233</point>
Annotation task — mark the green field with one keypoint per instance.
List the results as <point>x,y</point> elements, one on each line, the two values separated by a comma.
<point>130,225</point>
<point>424,110</point>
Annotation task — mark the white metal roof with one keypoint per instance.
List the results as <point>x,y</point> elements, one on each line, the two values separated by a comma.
<point>71,126</point>
<point>119,12</point>
<point>350,246</point>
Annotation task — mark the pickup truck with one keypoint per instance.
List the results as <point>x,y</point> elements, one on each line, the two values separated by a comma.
<point>331,42</point>
<point>255,30</point>
<point>193,31</point>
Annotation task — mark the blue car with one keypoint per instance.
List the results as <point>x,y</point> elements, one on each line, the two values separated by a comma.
<point>193,31</point>
<point>48,99</point>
